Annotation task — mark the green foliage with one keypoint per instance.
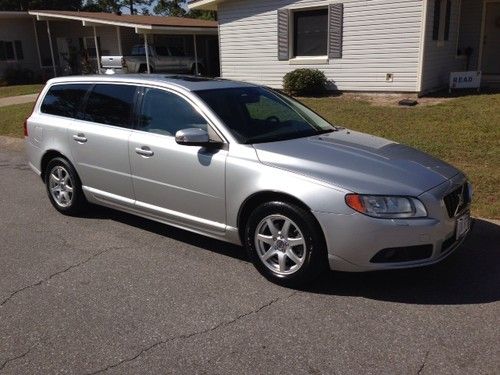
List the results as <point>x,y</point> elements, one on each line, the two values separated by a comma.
<point>15,75</point>
<point>178,8</point>
<point>305,82</point>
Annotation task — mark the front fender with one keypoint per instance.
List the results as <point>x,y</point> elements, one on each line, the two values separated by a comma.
<point>246,176</point>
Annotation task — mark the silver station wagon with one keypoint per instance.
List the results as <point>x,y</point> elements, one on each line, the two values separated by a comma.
<point>248,165</point>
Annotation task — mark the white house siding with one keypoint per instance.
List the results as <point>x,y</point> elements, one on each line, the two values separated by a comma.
<point>470,29</point>
<point>440,57</point>
<point>379,37</point>
<point>20,29</point>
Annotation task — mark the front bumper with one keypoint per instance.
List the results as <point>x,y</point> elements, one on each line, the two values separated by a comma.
<point>354,240</point>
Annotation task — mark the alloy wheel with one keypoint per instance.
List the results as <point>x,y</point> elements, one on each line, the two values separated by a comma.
<point>280,244</point>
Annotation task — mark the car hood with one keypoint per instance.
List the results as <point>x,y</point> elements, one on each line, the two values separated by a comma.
<point>358,162</point>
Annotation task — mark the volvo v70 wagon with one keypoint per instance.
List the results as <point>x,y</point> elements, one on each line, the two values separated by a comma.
<point>248,165</point>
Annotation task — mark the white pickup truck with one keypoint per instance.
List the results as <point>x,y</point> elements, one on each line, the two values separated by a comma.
<point>161,59</point>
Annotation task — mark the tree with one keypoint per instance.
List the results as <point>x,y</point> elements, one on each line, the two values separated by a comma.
<point>178,8</point>
<point>115,5</point>
<point>19,5</point>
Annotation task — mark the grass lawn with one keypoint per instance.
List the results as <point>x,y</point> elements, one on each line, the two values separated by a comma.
<point>12,118</point>
<point>464,132</point>
<point>6,91</point>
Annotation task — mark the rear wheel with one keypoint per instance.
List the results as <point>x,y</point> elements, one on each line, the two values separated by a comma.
<point>64,187</point>
<point>285,243</point>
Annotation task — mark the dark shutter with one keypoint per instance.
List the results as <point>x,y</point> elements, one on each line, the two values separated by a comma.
<point>447,20</point>
<point>335,22</point>
<point>436,20</point>
<point>283,29</point>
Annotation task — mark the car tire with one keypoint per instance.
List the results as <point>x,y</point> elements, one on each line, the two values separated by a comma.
<point>277,250</point>
<point>64,187</point>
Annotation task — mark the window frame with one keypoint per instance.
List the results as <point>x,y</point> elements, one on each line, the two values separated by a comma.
<point>293,33</point>
<point>308,60</point>
<point>212,128</point>
<point>441,35</point>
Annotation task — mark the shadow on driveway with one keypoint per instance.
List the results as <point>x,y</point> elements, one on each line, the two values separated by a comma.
<point>469,276</point>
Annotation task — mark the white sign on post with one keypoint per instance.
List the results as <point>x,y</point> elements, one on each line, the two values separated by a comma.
<point>465,80</point>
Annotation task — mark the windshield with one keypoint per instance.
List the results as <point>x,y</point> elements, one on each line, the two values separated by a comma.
<point>257,114</point>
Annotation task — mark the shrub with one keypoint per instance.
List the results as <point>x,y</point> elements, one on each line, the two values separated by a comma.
<point>15,75</point>
<point>305,82</point>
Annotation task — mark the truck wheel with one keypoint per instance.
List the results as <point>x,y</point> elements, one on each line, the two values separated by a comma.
<point>201,71</point>
<point>144,69</point>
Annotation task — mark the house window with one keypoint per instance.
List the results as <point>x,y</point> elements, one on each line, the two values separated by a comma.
<point>6,51</point>
<point>11,51</point>
<point>310,32</point>
<point>441,21</point>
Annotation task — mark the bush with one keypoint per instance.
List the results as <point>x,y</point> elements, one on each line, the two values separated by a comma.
<point>305,82</point>
<point>15,75</point>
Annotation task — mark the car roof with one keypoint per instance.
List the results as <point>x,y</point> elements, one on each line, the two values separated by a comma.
<point>187,82</point>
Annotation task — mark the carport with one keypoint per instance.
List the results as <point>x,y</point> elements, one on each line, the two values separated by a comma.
<point>113,32</point>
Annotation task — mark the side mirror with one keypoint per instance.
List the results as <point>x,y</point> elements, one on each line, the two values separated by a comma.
<point>192,137</point>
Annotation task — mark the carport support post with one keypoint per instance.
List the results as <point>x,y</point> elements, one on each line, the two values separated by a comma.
<point>146,50</point>
<point>195,55</point>
<point>119,37</point>
<point>51,49</point>
<point>97,54</point>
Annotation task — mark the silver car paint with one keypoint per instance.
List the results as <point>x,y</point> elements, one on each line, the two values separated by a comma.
<point>360,162</point>
<point>201,191</point>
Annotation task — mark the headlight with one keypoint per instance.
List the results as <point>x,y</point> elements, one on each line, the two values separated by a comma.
<point>386,206</point>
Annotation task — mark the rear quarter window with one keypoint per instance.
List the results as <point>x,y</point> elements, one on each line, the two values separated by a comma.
<point>64,100</point>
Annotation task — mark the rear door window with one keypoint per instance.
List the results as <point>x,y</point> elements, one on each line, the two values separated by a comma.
<point>111,104</point>
<point>64,100</point>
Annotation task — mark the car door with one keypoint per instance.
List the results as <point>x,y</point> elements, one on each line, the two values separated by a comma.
<point>184,185</point>
<point>99,142</point>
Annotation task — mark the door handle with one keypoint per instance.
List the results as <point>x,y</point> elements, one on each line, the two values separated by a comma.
<point>80,138</point>
<point>144,151</point>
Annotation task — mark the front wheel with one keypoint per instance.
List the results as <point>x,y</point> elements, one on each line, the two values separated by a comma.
<point>285,244</point>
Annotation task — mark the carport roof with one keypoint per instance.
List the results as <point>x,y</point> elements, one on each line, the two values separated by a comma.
<point>156,23</point>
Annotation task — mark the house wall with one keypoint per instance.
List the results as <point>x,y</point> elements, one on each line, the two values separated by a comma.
<point>20,29</point>
<point>379,37</point>
<point>440,57</point>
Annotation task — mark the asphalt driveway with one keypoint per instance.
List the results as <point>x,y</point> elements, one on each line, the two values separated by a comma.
<point>113,293</point>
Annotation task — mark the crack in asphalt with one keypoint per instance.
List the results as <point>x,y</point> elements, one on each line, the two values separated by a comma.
<point>8,360</point>
<point>423,363</point>
<point>189,335</point>
<point>40,282</point>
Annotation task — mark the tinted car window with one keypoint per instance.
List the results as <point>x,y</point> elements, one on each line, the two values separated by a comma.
<point>165,113</point>
<point>64,100</point>
<point>110,104</point>
<point>256,114</point>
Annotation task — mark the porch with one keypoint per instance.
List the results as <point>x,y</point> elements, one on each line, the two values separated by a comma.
<point>74,42</point>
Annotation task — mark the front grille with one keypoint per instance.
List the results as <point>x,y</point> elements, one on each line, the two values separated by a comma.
<point>457,200</point>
